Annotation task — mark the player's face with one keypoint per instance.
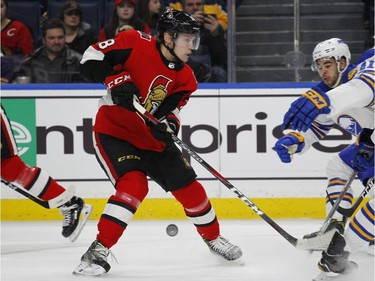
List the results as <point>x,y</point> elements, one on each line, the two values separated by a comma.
<point>328,71</point>
<point>184,44</point>
<point>54,40</point>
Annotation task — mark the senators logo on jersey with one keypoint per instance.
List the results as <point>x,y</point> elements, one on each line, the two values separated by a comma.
<point>157,93</point>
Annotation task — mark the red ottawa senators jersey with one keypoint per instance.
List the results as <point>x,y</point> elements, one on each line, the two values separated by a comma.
<point>16,38</point>
<point>164,86</point>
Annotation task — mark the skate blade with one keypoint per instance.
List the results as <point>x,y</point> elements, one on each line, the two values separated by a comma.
<point>85,215</point>
<point>326,276</point>
<point>237,262</point>
<point>350,267</point>
<point>89,270</point>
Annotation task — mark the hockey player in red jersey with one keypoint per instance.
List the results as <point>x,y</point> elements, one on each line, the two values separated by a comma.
<point>39,184</point>
<point>136,65</point>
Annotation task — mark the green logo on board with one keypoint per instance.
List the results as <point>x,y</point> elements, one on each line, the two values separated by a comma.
<point>21,114</point>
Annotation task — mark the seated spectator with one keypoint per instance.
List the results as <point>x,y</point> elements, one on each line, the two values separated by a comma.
<point>54,62</point>
<point>78,34</point>
<point>6,68</point>
<point>16,38</point>
<point>123,14</point>
<point>210,7</point>
<point>213,48</point>
<point>149,12</point>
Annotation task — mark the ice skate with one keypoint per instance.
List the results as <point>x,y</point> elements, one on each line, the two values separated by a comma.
<point>334,261</point>
<point>223,248</point>
<point>76,214</point>
<point>94,261</point>
<point>350,266</point>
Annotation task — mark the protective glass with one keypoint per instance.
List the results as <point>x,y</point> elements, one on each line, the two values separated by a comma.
<point>188,41</point>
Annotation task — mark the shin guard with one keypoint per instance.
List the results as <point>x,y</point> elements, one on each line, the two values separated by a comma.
<point>33,179</point>
<point>131,189</point>
<point>198,209</point>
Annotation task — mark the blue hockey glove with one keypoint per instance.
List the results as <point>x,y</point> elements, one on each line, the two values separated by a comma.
<point>304,110</point>
<point>363,151</point>
<point>287,145</point>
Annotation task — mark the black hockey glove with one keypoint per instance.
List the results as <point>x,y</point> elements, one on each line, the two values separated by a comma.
<point>164,129</point>
<point>124,95</point>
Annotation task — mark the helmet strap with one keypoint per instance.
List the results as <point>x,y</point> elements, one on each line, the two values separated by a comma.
<point>338,81</point>
<point>171,50</point>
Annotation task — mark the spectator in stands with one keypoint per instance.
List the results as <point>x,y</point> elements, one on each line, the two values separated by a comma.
<point>54,62</point>
<point>214,7</point>
<point>78,34</point>
<point>16,38</point>
<point>6,63</point>
<point>213,48</point>
<point>123,14</point>
<point>149,12</point>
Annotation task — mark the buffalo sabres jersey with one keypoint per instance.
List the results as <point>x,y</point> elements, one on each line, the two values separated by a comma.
<point>351,103</point>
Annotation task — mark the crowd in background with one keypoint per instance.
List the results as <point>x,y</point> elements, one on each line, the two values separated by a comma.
<point>50,52</point>
<point>54,56</point>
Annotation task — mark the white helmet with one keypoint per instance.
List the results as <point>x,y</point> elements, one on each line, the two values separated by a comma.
<point>332,48</point>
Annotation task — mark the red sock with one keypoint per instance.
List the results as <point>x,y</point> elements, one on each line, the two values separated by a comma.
<point>198,208</point>
<point>131,189</point>
<point>34,179</point>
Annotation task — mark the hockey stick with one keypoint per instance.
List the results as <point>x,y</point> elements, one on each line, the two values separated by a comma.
<point>337,203</point>
<point>50,204</point>
<point>302,244</point>
<point>324,235</point>
<point>350,211</point>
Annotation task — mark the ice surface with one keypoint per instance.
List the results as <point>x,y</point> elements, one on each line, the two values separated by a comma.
<point>36,251</point>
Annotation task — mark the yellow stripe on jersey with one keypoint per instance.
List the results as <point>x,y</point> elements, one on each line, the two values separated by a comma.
<point>365,215</point>
<point>368,212</point>
<point>336,181</point>
<point>359,231</point>
<point>367,80</point>
<point>347,197</point>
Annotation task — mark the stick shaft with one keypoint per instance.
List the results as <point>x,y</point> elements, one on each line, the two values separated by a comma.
<point>292,240</point>
<point>25,193</point>
<point>337,203</point>
<point>349,212</point>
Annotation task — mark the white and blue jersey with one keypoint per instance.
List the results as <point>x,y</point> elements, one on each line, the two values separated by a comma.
<point>352,108</point>
<point>352,103</point>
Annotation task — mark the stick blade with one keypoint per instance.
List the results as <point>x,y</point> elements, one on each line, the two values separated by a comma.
<point>320,242</point>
